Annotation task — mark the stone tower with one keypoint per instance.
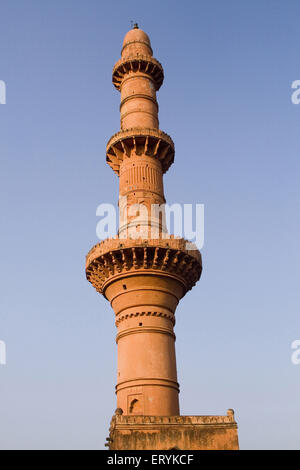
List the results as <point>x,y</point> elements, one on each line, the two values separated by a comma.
<point>144,272</point>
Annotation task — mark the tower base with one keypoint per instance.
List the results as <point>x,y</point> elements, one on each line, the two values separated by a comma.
<point>128,432</point>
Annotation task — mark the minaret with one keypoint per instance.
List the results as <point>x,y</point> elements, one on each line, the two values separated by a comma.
<point>143,271</point>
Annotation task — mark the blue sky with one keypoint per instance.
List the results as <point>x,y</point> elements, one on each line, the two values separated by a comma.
<point>226,102</point>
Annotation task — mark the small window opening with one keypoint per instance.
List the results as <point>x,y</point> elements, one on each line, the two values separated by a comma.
<point>133,405</point>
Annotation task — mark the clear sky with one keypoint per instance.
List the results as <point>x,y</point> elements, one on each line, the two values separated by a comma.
<point>226,102</point>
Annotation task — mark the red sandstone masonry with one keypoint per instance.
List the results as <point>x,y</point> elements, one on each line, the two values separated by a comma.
<point>144,279</point>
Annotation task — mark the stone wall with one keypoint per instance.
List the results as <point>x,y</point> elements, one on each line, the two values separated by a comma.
<point>169,432</point>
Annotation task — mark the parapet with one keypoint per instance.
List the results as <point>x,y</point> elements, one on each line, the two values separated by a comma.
<point>128,432</point>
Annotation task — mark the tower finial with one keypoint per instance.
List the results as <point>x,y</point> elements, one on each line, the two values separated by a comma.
<point>134,25</point>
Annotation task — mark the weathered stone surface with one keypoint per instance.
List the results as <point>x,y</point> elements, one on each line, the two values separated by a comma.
<point>169,432</point>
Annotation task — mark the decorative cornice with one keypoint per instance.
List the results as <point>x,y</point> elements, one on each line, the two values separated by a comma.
<point>140,141</point>
<point>114,243</point>
<point>114,257</point>
<point>138,63</point>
